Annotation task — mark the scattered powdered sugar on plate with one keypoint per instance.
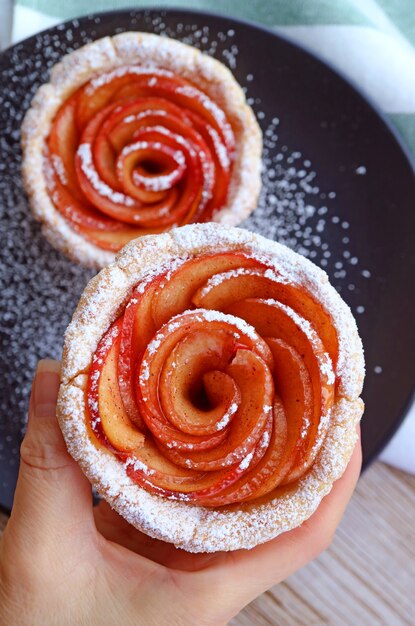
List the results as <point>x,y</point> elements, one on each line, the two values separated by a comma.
<point>41,288</point>
<point>295,211</point>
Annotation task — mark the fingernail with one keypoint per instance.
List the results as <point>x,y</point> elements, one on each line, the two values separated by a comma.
<point>45,388</point>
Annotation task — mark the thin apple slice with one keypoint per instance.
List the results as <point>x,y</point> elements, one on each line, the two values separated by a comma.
<point>148,85</point>
<point>99,93</point>
<point>90,102</point>
<point>151,470</point>
<point>175,294</point>
<point>266,458</point>
<point>290,438</point>
<point>152,188</point>
<point>273,319</point>
<point>195,185</point>
<point>80,213</point>
<point>222,159</point>
<point>254,382</point>
<point>148,387</point>
<point>294,386</point>
<point>105,158</point>
<point>107,417</point>
<point>226,287</point>
<point>117,239</point>
<point>154,359</point>
<point>94,375</point>
<point>148,466</point>
<point>137,330</point>
<point>196,396</point>
<point>119,429</point>
<point>129,117</point>
<point>62,143</point>
<point>120,86</point>
<point>192,98</point>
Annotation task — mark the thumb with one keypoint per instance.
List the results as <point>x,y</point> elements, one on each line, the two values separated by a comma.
<point>51,493</point>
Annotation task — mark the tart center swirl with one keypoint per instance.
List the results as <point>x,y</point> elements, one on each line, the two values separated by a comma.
<point>137,151</point>
<point>215,385</point>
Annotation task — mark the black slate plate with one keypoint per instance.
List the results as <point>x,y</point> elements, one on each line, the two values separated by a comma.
<point>338,187</point>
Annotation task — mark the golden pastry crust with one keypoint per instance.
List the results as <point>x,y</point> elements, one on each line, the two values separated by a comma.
<point>154,52</point>
<point>194,528</point>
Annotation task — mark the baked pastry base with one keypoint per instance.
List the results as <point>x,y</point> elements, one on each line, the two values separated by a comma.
<point>193,528</point>
<point>150,51</point>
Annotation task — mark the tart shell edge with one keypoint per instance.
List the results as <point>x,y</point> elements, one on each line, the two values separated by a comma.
<point>109,53</point>
<point>198,529</point>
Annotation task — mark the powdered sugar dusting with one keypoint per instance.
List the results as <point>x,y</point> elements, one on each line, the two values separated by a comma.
<point>138,465</point>
<point>59,168</point>
<point>295,210</point>
<point>217,316</point>
<point>161,182</point>
<point>227,416</point>
<point>199,315</point>
<point>324,361</point>
<point>140,116</point>
<point>208,104</point>
<point>87,164</point>
<point>221,277</point>
<point>107,77</point>
<point>245,463</point>
<point>264,441</point>
<point>220,148</point>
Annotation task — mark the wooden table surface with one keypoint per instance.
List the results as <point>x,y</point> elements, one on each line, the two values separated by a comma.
<point>365,578</point>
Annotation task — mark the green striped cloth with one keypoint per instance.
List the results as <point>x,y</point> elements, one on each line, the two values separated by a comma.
<point>371,41</point>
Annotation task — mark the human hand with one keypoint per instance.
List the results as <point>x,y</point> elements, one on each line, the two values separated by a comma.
<point>64,562</point>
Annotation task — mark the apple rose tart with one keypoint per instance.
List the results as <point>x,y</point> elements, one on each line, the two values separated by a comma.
<point>136,134</point>
<point>210,386</point>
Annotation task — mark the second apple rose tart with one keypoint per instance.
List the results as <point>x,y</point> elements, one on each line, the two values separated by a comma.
<point>210,386</point>
<point>136,134</point>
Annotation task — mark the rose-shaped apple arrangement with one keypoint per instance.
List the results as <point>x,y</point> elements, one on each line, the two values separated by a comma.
<point>137,134</point>
<point>135,151</point>
<point>225,373</point>
<point>216,383</point>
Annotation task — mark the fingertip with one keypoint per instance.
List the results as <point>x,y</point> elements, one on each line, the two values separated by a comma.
<point>45,389</point>
<point>50,366</point>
